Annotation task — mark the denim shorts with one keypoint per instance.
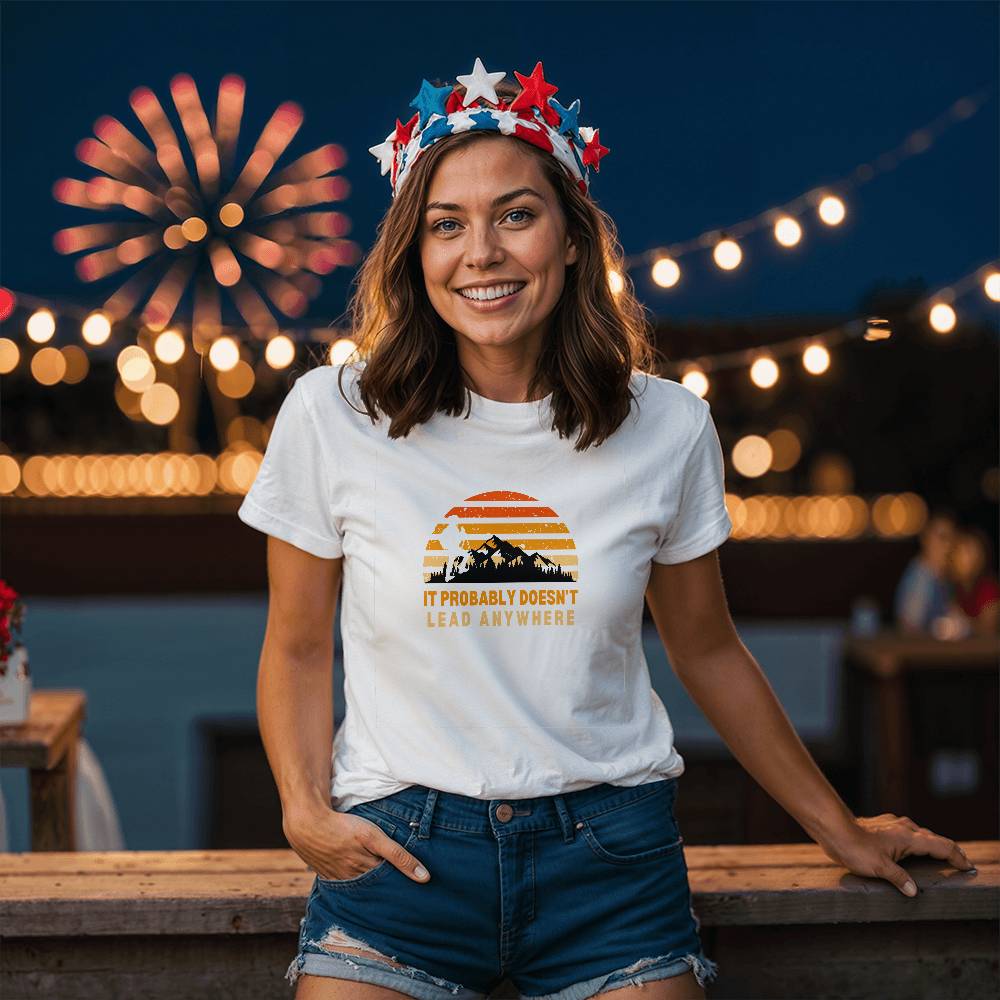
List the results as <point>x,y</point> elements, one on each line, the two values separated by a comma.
<point>567,896</point>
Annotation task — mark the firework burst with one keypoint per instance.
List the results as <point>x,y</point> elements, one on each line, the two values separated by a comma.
<point>257,232</point>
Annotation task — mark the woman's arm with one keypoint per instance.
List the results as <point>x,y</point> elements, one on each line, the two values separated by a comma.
<point>295,715</point>
<point>688,605</point>
<point>295,676</point>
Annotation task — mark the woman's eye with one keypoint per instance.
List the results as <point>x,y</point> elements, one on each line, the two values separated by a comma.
<point>514,211</point>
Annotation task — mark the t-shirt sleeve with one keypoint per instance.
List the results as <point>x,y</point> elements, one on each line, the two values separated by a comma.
<point>702,522</point>
<point>291,496</point>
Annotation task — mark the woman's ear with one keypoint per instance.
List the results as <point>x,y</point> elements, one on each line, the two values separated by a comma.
<point>571,253</point>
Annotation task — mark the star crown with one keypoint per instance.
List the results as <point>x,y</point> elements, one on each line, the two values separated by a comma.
<point>472,105</point>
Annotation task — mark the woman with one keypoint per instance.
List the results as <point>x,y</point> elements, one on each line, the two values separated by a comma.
<point>977,591</point>
<point>502,484</point>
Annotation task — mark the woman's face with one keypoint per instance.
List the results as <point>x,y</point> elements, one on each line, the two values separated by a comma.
<point>492,219</point>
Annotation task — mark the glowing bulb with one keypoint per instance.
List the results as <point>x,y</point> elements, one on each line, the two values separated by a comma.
<point>831,210</point>
<point>41,325</point>
<point>991,285</point>
<point>727,254</point>
<point>942,318</point>
<point>10,354</point>
<point>160,403</point>
<point>224,354</point>
<point>666,272</point>
<point>169,347</point>
<point>280,351</point>
<point>787,231</point>
<point>615,281</point>
<point>816,359</point>
<point>752,455</point>
<point>764,372</point>
<point>696,381</point>
<point>342,350</point>
<point>96,328</point>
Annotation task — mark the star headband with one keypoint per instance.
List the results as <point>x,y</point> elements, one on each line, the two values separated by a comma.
<point>534,116</point>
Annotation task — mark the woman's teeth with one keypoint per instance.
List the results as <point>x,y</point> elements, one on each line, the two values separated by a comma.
<point>493,292</point>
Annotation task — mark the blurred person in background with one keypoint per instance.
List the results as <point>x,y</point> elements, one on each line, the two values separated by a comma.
<point>926,593</point>
<point>977,590</point>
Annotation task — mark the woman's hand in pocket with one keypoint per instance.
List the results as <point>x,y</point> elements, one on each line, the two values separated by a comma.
<point>339,845</point>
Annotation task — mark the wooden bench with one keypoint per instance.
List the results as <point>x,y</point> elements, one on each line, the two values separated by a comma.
<point>780,919</point>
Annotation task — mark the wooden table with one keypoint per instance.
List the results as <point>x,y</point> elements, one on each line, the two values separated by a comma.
<point>884,660</point>
<point>46,744</point>
<point>781,920</point>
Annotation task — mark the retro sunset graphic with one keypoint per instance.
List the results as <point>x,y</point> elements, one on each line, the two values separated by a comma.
<point>500,537</point>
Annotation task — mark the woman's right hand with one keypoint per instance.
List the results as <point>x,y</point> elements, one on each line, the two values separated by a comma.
<point>339,845</point>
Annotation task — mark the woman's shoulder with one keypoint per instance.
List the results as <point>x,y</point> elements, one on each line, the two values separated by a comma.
<point>331,390</point>
<point>668,403</point>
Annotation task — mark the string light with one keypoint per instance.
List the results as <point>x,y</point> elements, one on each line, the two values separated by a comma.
<point>96,328</point>
<point>830,200</point>
<point>727,254</point>
<point>666,272</point>
<point>169,347</point>
<point>224,354</point>
<point>41,326</point>
<point>787,231</point>
<point>831,210</point>
<point>280,350</point>
<point>942,318</point>
<point>696,381</point>
<point>764,372</point>
<point>816,359</point>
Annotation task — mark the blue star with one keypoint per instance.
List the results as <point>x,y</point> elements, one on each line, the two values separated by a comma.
<point>483,121</point>
<point>435,130</point>
<point>579,162</point>
<point>568,115</point>
<point>431,100</point>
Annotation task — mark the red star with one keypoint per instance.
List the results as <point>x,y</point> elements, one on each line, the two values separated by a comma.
<point>405,132</point>
<point>536,91</point>
<point>593,151</point>
<point>454,102</point>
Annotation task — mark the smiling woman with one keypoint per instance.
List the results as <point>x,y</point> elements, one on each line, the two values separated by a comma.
<point>494,477</point>
<point>490,246</point>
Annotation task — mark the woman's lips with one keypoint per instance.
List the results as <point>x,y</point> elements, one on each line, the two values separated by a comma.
<point>491,305</point>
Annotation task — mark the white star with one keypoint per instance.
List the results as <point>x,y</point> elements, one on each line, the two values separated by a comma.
<point>479,83</point>
<point>461,121</point>
<point>586,133</point>
<point>507,120</point>
<point>384,153</point>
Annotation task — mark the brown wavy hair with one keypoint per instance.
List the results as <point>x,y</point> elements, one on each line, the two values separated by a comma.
<point>411,366</point>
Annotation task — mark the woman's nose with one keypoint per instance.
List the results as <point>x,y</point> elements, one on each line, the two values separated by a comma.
<point>483,247</point>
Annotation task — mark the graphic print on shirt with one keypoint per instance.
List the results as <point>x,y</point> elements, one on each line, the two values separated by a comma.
<point>498,538</point>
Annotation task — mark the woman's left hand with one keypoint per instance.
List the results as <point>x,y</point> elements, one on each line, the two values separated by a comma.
<point>873,844</point>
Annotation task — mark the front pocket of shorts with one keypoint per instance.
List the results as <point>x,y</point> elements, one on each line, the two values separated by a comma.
<point>393,830</point>
<point>641,830</point>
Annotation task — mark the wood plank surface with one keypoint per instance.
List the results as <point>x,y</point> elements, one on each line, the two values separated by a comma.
<point>226,892</point>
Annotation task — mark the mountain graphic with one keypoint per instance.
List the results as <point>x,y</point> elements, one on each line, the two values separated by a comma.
<point>498,561</point>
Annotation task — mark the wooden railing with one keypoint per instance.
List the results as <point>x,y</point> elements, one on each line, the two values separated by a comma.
<point>780,920</point>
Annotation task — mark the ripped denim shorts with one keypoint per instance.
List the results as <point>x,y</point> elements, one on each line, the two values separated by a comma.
<point>566,896</point>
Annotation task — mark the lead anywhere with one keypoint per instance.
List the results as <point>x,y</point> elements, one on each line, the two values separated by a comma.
<point>501,619</point>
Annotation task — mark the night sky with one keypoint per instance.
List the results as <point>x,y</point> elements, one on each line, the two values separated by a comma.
<point>713,112</point>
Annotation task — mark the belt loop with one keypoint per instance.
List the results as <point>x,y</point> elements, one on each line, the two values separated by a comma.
<point>564,818</point>
<point>425,818</point>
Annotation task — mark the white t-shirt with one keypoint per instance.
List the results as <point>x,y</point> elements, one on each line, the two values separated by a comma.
<point>493,582</point>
